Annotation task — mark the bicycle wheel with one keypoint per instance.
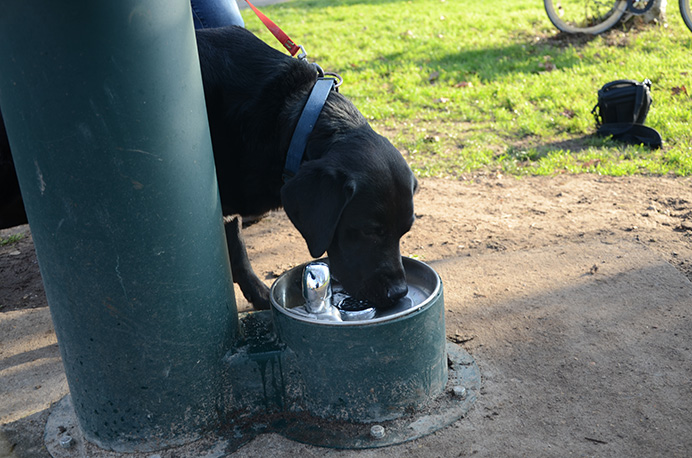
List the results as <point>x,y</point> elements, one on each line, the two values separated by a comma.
<point>584,16</point>
<point>686,13</point>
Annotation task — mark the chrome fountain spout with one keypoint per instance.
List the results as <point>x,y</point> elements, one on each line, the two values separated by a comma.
<point>317,288</point>
<point>317,291</point>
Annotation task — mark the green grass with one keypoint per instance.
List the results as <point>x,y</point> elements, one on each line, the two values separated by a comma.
<point>467,86</point>
<point>11,239</point>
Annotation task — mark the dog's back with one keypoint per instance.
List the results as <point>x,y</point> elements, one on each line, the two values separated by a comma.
<point>253,94</point>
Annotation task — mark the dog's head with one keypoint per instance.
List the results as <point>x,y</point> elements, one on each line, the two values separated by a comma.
<point>355,203</point>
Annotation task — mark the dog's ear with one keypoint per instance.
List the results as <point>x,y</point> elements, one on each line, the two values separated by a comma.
<point>314,200</point>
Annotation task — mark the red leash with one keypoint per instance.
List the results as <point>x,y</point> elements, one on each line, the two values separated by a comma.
<point>280,35</point>
<point>316,100</point>
<point>292,47</point>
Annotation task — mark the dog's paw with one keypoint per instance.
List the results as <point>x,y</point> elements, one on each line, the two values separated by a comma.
<point>260,298</point>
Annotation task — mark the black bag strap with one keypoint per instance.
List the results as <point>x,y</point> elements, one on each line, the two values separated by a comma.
<point>634,134</point>
<point>608,86</point>
<point>642,89</point>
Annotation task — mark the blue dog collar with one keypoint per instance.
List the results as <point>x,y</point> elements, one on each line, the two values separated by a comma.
<point>306,122</point>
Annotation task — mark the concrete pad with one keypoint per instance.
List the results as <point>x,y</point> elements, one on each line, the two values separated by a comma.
<point>584,350</point>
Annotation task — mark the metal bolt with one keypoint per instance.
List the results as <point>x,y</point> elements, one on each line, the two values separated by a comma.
<point>66,441</point>
<point>377,431</point>
<point>459,391</point>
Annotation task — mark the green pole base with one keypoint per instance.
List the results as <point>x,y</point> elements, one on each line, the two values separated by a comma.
<point>461,392</point>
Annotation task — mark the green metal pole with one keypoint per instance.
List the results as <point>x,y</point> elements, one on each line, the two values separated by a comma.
<point>104,109</point>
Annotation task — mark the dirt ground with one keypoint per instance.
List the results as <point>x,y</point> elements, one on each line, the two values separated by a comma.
<point>572,293</point>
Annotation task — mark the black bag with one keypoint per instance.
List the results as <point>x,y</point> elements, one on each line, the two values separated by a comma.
<point>621,111</point>
<point>623,101</point>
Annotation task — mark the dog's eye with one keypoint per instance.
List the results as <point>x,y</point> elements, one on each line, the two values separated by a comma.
<point>374,231</point>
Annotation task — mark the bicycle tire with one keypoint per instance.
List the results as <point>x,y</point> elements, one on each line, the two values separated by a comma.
<point>635,9</point>
<point>686,13</point>
<point>583,22</point>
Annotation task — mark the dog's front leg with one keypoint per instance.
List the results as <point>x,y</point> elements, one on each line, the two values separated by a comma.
<point>252,287</point>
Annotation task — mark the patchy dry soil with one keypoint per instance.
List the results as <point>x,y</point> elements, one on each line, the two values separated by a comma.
<point>489,237</point>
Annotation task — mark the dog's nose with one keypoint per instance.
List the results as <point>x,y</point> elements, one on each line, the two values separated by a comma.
<point>397,292</point>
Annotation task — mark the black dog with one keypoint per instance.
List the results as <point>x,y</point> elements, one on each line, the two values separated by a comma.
<point>353,194</point>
